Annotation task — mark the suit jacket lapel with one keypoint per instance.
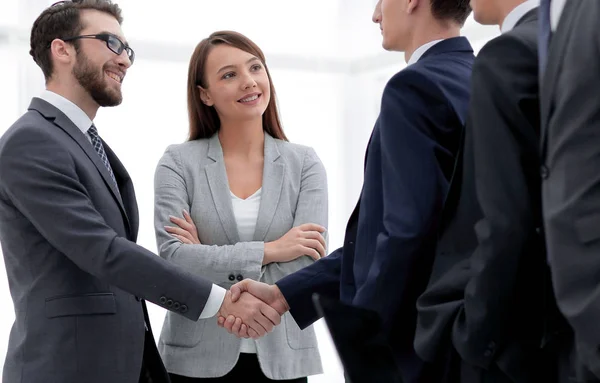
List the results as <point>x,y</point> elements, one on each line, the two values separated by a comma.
<point>273,173</point>
<point>126,191</point>
<point>554,65</point>
<point>219,188</point>
<point>63,122</point>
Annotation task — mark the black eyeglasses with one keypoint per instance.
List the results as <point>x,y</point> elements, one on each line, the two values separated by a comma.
<point>112,42</point>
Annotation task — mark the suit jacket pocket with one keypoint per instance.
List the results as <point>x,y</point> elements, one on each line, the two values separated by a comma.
<point>179,331</point>
<point>299,339</point>
<point>82,304</point>
<point>588,228</point>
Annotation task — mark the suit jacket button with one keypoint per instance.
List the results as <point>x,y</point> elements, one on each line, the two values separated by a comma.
<point>169,303</point>
<point>544,172</point>
<point>176,306</point>
<point>163,300</point>
<point>183,309</point>
<point>240,277</point>
<point>231,277</point>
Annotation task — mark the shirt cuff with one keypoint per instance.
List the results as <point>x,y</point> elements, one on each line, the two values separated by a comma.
<point>214,302</point>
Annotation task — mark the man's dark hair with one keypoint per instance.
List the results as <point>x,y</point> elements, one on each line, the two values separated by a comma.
<point>455,10</point>
<point>60,21</point>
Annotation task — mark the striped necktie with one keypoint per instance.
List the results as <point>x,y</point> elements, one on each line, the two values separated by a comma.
<point>97,143</point>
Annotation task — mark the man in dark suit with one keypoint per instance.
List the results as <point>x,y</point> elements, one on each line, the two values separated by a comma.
<point>488,306</point>
<point>570,117</point>
<point>69,221</point>
<point>390,237</point>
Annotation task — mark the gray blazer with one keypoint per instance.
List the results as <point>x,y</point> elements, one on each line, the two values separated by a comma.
<point>192,176</point>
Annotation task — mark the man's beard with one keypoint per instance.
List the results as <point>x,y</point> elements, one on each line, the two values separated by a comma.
<point>93,81</point>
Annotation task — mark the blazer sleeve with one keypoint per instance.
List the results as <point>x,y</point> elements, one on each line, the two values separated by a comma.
<point>507,183</point>
<point>40,178</point>
<point>414,189</point>
<point>215,263</point>
<point>311,206</point>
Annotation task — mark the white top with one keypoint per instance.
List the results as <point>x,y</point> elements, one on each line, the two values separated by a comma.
<point>556,9</point>
<point>420,51</point>
<point>83,122</point>
<point>245,212</point>
<point>517,14</point>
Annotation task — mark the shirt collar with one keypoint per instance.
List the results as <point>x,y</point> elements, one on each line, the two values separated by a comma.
<point>72,111</point>
<point>517,14</point>
<point>420,51</point>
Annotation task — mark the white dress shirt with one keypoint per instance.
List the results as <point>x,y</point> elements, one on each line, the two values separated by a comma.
<point>556,9</point>
<point>517,14</point>
<point>245,212</point>
<point>420,51</point>
<point>83,122</point>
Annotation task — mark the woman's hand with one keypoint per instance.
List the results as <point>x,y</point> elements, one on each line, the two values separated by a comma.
<point>185,231</point>
<point>306,239</point>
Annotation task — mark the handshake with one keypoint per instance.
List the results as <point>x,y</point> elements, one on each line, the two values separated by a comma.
<point>251,309</point>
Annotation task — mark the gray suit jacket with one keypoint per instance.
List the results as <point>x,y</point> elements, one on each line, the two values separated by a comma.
<point>192,176</point>
<point>570,173</point>
<point>76,276</point>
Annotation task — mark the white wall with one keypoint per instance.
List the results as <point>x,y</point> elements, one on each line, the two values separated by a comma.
<point>327,65</point>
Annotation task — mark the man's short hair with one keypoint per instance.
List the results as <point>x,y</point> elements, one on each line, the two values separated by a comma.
<point>455,10</point>
<point>62,20</point>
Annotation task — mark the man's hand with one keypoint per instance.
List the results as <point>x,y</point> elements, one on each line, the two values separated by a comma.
<point>258,316</point>
<point>269,294</point>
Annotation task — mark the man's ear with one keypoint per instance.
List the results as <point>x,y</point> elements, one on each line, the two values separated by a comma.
<point>412,6</point>
<point>61,51</point>
<point>205,96</point>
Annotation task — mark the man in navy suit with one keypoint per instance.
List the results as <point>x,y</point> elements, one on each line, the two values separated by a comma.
<point>390,238</point>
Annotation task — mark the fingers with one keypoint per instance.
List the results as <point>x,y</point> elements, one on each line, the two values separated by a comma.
<point>312,227</point>
<point>253,334</point>
<point>188,218</point>
<point>305,250</point>
<point>237,325</point>
<point>271,314</point>
<point>317,236</point>
<point>265,324</point>
<point>178,231</point>
<point>238,289</point>
<point>244,331</point>
<point>220,321</point>
<point>228,324</point>
<point>183,239</point>
<point>316,245</point>
<point>183,223</point>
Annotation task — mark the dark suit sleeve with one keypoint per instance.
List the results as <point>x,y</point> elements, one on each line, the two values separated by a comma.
<point>505,142</point>
<point>571,191</point>
<point>322,277</point>
<point>39,176</point>
<point>414,188</point>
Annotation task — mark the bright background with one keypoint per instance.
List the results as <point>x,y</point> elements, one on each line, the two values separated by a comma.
<point>327,65</point>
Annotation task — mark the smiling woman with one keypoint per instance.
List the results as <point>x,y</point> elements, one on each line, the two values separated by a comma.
<point>238,201</point>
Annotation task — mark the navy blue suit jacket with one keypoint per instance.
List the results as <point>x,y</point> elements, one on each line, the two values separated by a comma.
<point>390,238</point>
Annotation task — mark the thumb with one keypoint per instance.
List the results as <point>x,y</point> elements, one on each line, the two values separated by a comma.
<point>238,289</point>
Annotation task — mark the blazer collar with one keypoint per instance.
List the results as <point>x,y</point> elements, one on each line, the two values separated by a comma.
<point>59,119</point>
<point>454,44</point>
<point>272,185</point>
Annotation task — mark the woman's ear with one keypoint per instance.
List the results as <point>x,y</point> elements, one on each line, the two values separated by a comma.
<point>205,96</point>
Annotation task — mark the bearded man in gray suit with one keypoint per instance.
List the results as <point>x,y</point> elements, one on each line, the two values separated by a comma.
<point>69,222</point>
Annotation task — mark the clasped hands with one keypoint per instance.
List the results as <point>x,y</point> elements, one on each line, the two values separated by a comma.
<point>251,309</point>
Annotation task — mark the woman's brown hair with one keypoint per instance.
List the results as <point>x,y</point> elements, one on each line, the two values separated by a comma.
<point>204,121</point>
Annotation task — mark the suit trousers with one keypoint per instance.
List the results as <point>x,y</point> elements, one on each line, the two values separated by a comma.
<point>153,370</point>
<point>247,369</point>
